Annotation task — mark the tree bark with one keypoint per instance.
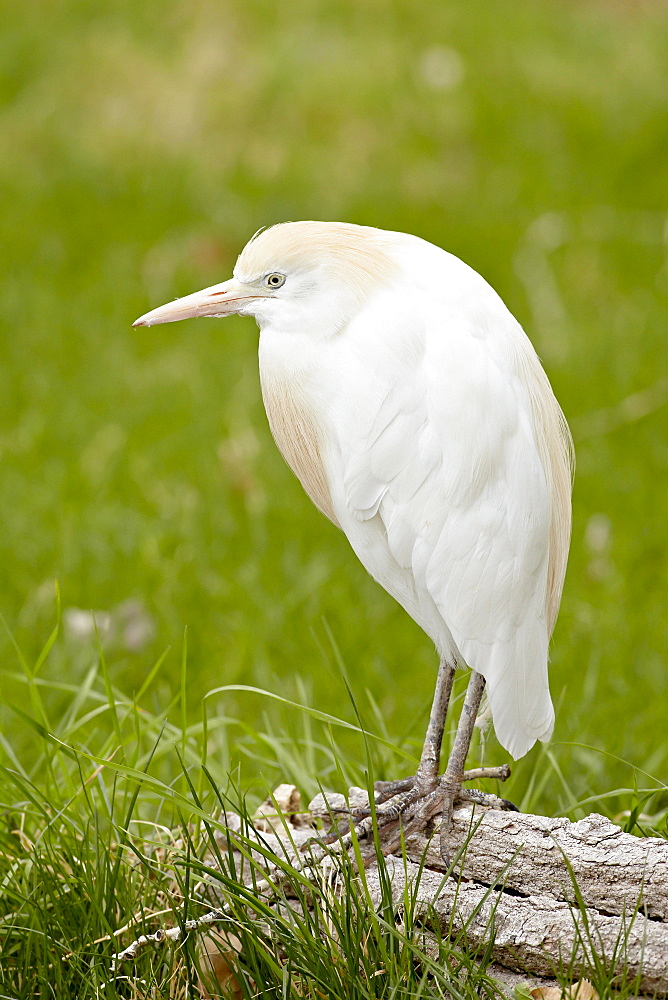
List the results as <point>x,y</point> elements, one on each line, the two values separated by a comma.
<point>562,895</point>
<point>548,896</point>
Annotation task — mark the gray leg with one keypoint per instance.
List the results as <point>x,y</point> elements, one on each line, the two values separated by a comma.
<point>427,773</point>
<point>452,780</point>
<point>430,758</point>
<point>414,801</point>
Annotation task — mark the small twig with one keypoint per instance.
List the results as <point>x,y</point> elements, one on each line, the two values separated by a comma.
<point>541,880</point>
<point>161,936</point>
<point>272,882</point>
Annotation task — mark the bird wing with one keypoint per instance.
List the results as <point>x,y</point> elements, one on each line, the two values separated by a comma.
<point>442,467</point>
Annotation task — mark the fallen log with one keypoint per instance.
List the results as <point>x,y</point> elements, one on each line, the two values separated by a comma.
<point>546,895</point>
<point>562,894</point>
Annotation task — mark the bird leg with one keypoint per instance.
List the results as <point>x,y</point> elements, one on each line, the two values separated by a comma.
<point>416,800</point>
<point>425,779</point>
<point>428,791</point>
<point>409,804</point>
<point>401,794</point>
<point>451,782</point>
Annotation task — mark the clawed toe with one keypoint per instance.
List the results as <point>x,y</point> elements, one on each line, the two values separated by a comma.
<point>385,790</point>
<point>501,773</point>
<point>408,805</point>
<point>485,799</point>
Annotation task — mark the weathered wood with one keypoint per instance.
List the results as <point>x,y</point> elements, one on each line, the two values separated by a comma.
<point>529,871</point>
<point>552,895</point>
<point>615,872</point>
<point>534,934</point>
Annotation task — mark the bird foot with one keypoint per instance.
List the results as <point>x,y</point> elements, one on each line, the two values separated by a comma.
<point>409,805</point>
<point>388,789</point>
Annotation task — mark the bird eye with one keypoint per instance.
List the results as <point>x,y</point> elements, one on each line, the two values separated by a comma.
<point>274,280</point>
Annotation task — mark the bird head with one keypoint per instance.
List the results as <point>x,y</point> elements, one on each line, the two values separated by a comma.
<point>296,275</point>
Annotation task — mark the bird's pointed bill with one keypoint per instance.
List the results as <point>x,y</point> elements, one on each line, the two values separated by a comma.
<point>223,299</point>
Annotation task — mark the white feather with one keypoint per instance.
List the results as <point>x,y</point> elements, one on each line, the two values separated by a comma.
<point>415,412</point>
<point>428,401</point>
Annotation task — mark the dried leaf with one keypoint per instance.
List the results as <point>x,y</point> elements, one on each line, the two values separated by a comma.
<point>218,954</point>
<point>582,990</point>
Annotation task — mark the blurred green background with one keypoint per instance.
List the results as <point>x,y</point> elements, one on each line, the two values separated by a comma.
<point>141,145</point>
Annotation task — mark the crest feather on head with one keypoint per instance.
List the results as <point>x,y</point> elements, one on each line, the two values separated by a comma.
<point>357,255</point>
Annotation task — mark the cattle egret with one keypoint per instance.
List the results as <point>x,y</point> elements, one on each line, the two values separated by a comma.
<point>414,411</point>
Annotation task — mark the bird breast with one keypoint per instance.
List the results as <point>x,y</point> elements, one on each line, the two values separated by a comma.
<point>295,431</point>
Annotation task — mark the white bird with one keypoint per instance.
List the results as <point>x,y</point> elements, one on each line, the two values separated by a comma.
<point>414,411</point>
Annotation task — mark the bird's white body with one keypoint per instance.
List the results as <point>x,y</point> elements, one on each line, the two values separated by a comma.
<point>413,408</point>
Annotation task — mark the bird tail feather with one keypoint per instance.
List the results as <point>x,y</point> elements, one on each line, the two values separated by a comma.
<point>517,688</point>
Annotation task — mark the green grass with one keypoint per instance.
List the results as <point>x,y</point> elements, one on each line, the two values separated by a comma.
<point>108,834</point>
<point>140,146</point>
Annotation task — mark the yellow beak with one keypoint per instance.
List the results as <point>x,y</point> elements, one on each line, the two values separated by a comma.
<point>218,300</point>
